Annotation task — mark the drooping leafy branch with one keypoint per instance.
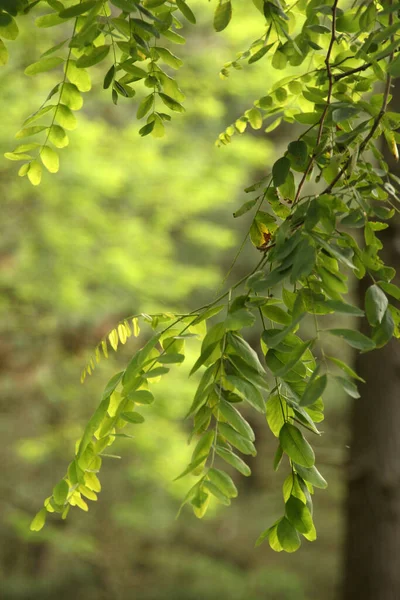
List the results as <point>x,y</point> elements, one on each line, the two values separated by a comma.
<point>331,180</point>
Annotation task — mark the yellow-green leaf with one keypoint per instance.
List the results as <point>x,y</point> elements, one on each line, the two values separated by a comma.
<point>65,117</point>
<point>50,159</point>
<point>79,77</point>
<point>35,172</point>
<point>71,96</point>
<point>222,15</point>
<point>113,337</point>
<point>46,64</point>
<point>39,520</point>
<point>58,137</point>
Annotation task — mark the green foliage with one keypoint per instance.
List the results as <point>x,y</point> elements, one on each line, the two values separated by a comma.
<point>307,252</point>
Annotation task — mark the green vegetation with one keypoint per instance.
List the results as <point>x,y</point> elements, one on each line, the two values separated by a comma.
<point>302,209</point>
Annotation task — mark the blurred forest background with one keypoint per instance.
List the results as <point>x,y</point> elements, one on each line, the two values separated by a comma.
<point>130,225</point>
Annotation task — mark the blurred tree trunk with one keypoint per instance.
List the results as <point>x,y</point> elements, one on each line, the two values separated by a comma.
<point>372,549</point>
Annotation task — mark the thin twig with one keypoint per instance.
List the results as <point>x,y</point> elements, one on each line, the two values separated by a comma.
<point>375,125</point>
<point>328,101</point>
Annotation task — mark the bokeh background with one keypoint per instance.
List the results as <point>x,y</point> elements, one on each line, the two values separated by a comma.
<point>136,224</point>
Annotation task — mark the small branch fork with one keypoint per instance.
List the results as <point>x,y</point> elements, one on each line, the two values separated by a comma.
<point>328,101</point>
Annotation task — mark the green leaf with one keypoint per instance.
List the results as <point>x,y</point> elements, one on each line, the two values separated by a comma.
<point>273,538</point>
<point>334,251</point>
<point>49,20</point>
<point>35,172</point>
<point>207,314</point>
<point>235,461</point>
<point>344,113</point>
<point>235,419</point>
<point>215,491</point>
<point>186,11</point>
<point>202,450</point>
<point>275,413</point>
<point>273,337</point>
<point>192,466</point>
<point>259,54</point>
<point>287,535</point>
<point>134,70</point>
<point>8,27</point>
<point>296,446</point>
<point>3,54</point>
<point>147,129</point>
<point>314,390</point>
<point>77,9</point>
<point>169,58</point>
<point>390,288</point>
<point>278,457</point>
<point>60,492</point>
<point>248,391</point>
<point>342,365</point>
<point>200,502</point>
<point>264,535</point>
<point>39,113</point>
<point>243,368</point>
<point>171,103</point>
<point>109,77</point>
<point>125,5</point>
<point>376,304</point>
<point>293,358</point>
<point>222,15</point>
<point>71,96</point>
<point>394,67</point>
<point>245,351</point>
<point>299,515</point>
<point>348,386</point>
<point>50,159</point>
<point>79,77</point>
<point>280,171</point>
<point>65,117</point>
<point>383,332</point>
<point>223,482</point>
<point>132,417</point>
<point>298,153</point>
<point>17,156</point>
<point>43,65</point>
<point>204,356</point>
<point>239,319</point>
<point>98,54</point>
<point>112,384</point>
<point>174,37</point>
<point>255,118</point>
<point>58,137</point>
<point>304,261</point>
<point>245,208</point>
<point>354,338</point>
<point>276,314</point>
<point>238,441</point>
<point>344,308</point>
<point>141,397</point>
<point>90,429</point>
<point>144,106</point>
<point>214,334</point>
<point>172,358</point>
<point>312,475</point>
<point>39,520</point>
<point>155,372</point>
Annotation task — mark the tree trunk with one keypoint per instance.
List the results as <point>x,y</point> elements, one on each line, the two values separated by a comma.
<point>372,550</point>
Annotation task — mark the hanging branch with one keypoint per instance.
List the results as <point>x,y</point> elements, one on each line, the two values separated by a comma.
<point>306,249</point>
